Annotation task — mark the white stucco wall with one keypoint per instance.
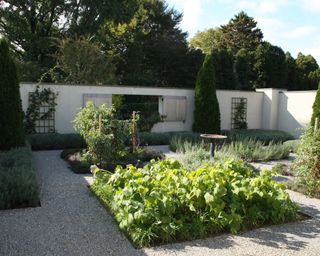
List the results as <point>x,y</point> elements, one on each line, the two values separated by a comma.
<point>70,101</point>
<point>295,111</point>
<point>254,107</point>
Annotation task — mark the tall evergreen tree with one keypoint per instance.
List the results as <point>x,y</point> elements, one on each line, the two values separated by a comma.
<point>207,111</point>
<point>241,33</point>
<point>306,69</point>
<point>292,81</point>
<point>270,66</point>
<point>11,115</point>
<point>243,66</point>
<point>316,108</point>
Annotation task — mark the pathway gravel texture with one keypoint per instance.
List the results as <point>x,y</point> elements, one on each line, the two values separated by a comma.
<point>71,221</point>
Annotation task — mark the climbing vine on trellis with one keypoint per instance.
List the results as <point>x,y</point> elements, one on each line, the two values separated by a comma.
<point>38,99</point>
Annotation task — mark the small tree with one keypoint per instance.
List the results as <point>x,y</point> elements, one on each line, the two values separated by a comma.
<point>11,115</point>
<point>316,108</point>
<point>207,112</point>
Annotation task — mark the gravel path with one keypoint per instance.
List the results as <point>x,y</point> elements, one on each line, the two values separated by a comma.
<point>72,222</point>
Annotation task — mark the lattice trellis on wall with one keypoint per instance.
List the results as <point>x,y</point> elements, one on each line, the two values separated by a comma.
<point>239,113</point>
<point>46,122</point>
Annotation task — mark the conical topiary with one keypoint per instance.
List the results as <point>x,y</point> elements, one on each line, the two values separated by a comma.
<point>207,111</point>
<point>11,115</point>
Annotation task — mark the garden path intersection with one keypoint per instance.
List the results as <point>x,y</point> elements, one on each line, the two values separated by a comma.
<point>71,221</point>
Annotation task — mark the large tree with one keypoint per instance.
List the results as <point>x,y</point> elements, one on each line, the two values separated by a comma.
<point>11,115</point>
<point>292,81</point>
<point>207,111</point>
<point>206,40</point>
<point>241,33</point>
<point>306,64</point>
<point>32,26</point>
<point>270,66</point>
<point>150,49</point>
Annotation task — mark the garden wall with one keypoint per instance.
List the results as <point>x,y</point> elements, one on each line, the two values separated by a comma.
<point>295,110</point>
<point>266,108</point>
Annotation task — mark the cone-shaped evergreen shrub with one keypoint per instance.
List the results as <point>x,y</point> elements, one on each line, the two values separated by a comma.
<point>316,108</point>
<point>11,115</point>
<point>207,112</point>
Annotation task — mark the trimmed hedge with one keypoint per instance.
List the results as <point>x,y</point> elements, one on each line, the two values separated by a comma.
<point>55,141</point>
<point>73,140</point>
<point>18,179</point>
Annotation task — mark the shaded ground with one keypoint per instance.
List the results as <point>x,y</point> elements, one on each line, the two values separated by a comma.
<point>72,222</point>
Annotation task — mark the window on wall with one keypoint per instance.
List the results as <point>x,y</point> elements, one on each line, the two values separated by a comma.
<point>239,113</point>
<point>174,108</point>
<point>46,122</point>
<point>97,99</point>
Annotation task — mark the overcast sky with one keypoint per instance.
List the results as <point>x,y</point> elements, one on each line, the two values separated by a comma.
<point>294,25</point>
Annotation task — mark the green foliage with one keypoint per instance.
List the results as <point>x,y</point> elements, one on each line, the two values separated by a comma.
<point>18,179</point>
<point>164,202</point>
<point>293,145</point>
<point>265,136</point>
<point>82,61</point>
<point>33,26</point>
<point>11,115</point>
<point>51,141</point>
<point>292,81</point>
<point>104,135</point>
<point>206,40</point>
<point>254,151</point>
<point>316,108</point>
<point>244,65</point>
<point>207,112</point>
<point>307,72</point>
<point>150,49</point>
<point>270,66</point>
<point>36,100</point>
<point>241,33</point>
<point>308,161</point>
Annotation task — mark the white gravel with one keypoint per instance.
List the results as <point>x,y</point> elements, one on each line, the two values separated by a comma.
<point>72,222</point>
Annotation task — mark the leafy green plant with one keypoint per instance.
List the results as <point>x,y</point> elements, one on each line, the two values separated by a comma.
<point>105,135</point>
<point>164,202</point>
<point>316,108</point>
<point>293,145</point>
<point>307,163</point>
<point>18,179</point>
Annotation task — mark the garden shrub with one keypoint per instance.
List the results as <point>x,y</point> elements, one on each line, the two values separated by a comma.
<point>316,108</point>
<point>103,133</point>
<point>307,163</point>
<point>56,141</point>
<point>164,202</point>
<point>18,179</point>
<point>254,151</point>
<point>293,145</point>
<point>207,111</point>
<point>11,115</point>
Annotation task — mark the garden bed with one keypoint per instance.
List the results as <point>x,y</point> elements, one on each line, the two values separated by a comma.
<point>164,203</point>
<point>18,179</point>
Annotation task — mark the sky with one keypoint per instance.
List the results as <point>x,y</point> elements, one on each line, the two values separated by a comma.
<point>294,25</point>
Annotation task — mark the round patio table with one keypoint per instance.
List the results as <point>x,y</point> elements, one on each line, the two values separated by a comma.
<point>213,138</point>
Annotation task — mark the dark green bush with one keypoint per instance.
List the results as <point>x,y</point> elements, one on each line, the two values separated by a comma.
<point>11,115</point>
<point>163,202</point>
<point>18,179</point>
<point>51,141</point>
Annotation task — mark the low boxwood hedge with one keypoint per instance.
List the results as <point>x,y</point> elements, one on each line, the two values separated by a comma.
<point>18,179</point>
